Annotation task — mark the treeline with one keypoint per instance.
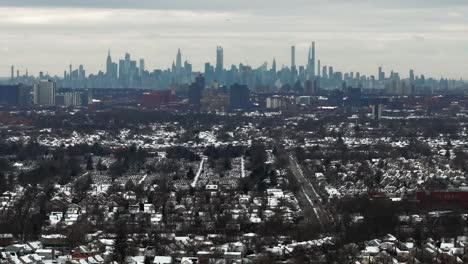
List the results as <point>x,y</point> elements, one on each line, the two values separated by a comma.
<point>32,150</point>
<point>61,170</point>
<point>179,152</point>
<point>131,158</point>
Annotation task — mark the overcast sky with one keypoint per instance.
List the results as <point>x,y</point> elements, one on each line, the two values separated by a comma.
<point>430,36</point>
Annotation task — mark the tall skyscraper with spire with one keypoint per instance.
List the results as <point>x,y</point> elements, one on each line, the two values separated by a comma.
<point>311,62</point>
<point>178,60</point>
<point>108,64</point>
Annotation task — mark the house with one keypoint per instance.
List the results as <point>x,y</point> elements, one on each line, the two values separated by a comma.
<point>162,260</point>
<point>188,260</point>
<point>55,217</point>
<point>6,239</point>
<point>73,213</point>
<point>232,255</point>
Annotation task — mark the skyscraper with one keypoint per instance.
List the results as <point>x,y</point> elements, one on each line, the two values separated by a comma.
<point>111,67</point>
<point>311,62</point>
<point>293,57</point>
<point>108,63</point>
<point>318,68</point>
<point>142,67</point>
<point>411,75</point>
<point>44,93</point>
<point>273,67</point>
<point>178,60</point>
<point>195,91</point>
<point>12,72</point>
<point>324,72</point>
<point>219,59</point>
<point>15,95</point>
<point>81,72</point>
<point>239,97</point>
<point>381,74</point>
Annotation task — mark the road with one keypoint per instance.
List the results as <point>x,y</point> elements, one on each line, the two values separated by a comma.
<point>199,172</point>
<point>308,196</point>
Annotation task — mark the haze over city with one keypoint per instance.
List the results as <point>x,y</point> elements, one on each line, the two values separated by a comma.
<point>428,36</point>
<point>233,132</point>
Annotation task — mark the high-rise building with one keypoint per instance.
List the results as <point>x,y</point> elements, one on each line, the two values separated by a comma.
<point>239,97</point>
<point>44,92</point>
<point>381,74</point>
<point>81,72</point>
<point>142,67</point>
<point>111,68</point>
<point>324,72</point>
<point>311,62</point>
<point>15,95</point>
<point>293,57</point>
<point>108,64</point>
<point>219,59</point>
<point>12,72</point>
<point>209,72</point>
<point>377,111</point>
<point>273,67</point>
<point>195,91</point>
<point>330,72</point>
<point>318,68</point>
<point>178,60</point>
<point>411,75</point>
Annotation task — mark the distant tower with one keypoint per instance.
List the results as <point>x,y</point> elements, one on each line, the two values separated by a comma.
<point>273,67</point>
<point>219,59</point>
<point>179,60</point>
<point>108,64</point>
<point>17,73</point>
<point>70,71</point>
<point>311,62</point>
<point>377,111</point>
<point>411,75</point>
<point>142,66</point>
<point>324,72</point>
<point>81,72</point>
<point>318,68</point>
<point>381,74</point>
<point>44,92</point>
<point>12,72</point>
<point>293,57</point>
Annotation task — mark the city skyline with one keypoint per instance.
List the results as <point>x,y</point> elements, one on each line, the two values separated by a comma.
<point>423,35</point>
<point>312,61</point>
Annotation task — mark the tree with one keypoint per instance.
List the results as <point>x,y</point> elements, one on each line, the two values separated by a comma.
<point>117,169</point>
<point>83,184</point>
<point>300,154</point>
<point>89,163</point>
<point>4,186</point>
<point>100,166</point>
<point>190,174</point>
<point>130,186</point>
<point>5,164</point>
<point>121,244</point>
<point>447,153</point>
<point>227,163</point>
